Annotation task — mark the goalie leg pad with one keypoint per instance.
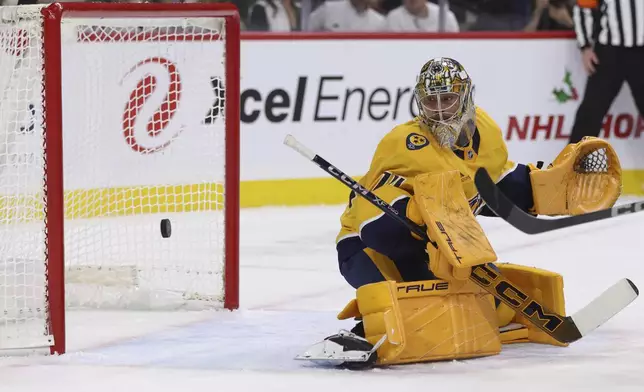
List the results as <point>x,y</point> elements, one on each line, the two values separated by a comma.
<point>545,287</point>
<point>427,320</point>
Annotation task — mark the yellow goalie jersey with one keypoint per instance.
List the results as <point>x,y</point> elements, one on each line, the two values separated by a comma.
<point>410,150</point>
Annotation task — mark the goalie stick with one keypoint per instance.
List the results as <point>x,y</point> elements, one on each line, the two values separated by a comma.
<point>509,212</point>
<point>565,329</point>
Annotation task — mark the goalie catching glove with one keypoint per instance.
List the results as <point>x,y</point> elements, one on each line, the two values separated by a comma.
<point>585,177</point>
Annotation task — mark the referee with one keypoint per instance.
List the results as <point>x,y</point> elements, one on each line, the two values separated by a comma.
<point>610,34</point>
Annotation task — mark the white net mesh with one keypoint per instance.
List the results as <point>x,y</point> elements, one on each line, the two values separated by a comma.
<point>143,140</point>
<point>596,161</point>
<point>22,227</point>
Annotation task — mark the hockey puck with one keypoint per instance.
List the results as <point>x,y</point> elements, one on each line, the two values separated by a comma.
<point>166,228</point>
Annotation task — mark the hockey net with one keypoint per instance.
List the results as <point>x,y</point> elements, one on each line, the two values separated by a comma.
<point>137,92</point>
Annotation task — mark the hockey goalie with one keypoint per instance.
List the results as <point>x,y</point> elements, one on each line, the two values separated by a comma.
<point>414,300</point>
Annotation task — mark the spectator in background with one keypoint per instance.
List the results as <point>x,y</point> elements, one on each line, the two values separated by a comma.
<point>346,15</point>
<point>499,15</point>
<point>419,16</point>
<point>550,15</point>
<point>273,15</point>
<point>465,12</point>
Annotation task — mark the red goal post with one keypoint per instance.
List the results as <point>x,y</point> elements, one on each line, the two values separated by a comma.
<point>126,141</point>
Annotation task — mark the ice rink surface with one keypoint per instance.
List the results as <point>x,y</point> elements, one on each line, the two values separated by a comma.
<point>291,292</point>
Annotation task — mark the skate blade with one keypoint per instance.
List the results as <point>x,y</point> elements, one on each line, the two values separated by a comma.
<point>333,353</point>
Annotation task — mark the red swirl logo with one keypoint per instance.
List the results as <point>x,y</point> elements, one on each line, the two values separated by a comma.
<point>150,136</point>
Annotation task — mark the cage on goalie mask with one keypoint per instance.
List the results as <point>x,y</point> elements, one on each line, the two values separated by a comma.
<point>445,97</point>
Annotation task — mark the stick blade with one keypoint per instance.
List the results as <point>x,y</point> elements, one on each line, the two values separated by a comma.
<point>604,307</point>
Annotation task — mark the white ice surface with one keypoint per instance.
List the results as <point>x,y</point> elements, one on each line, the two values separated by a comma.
<point>290,293</point>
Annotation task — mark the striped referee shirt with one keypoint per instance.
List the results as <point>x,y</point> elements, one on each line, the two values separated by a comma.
<point>609,22</point>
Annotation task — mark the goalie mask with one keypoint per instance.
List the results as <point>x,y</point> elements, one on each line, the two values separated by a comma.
<point>444,95</point>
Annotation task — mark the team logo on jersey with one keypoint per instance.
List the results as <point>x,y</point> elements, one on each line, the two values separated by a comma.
<point>416,141</point>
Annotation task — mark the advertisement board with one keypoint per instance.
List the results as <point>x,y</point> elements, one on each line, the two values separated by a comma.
<point>341,96</point>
